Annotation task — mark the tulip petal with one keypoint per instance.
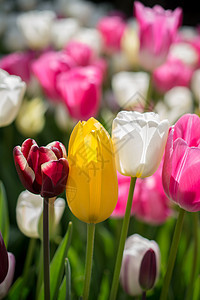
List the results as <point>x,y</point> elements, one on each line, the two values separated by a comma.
<point>5,285</point>
<point>38,156</point>
<point>3,260</point>
<point>54,177</point>
<point>188,128</point>
<point>60,147</point>
<point>26,146</point>
<point>26,174</point>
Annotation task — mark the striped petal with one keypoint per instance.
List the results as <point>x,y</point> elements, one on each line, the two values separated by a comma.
<point>54,177</point>
<point>25,172</point>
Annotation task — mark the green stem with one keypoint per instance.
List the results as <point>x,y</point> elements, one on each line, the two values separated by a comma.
<point>29,256</point>
<point>46,259</point>
<point>89,257</point>
<point>149,93</point>
<point>172,255</point>
<point>124,232</point>
<point>195,256</point>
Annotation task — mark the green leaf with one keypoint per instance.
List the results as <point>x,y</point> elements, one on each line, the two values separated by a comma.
<point>65,288</point>
<point>19,290</point>
<point>57,265</point>
<point>4,218</point>
<point>68,279</point>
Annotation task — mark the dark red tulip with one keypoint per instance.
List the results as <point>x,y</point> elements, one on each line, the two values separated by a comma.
<point>3,260</point>
<point>42,170</point>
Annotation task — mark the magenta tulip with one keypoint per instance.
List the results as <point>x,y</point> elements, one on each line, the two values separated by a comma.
<point>47,68</point>
<point>150,203</point>
<point>157,30</point>
<point>82,54</point>
<point>172,73</point>
<point>80,89</point>
<point>181,169</point>
<point>19,64</point>
<point>42,170</point>
<point>112,29</point>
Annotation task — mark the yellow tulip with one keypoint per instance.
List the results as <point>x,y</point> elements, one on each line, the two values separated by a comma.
<point>92,188</point>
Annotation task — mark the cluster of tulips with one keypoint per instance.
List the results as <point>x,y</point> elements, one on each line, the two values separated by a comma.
<point>123,98</point>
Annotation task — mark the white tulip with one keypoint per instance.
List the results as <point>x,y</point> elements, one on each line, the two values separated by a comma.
<point>135,248</point>
<point>29,209</point>
<point>185,52</point>
<point>62,31</point>
<point>130,88</point>
<point>139,141</point>
<point>90,37</point>
<point>12,90</point>
<point>36,28</point>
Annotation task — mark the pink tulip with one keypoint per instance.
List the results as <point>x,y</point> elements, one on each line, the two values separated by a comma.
<point>173,73</point>
<point>149,202</point>
<point>19,64</point>
<point>82,54</point>
<point>42,170</point>
<point>47,68</point>
<point>157,30</point>
<point>80,89</point>
<point>112,29</point>
<point>181,168</point>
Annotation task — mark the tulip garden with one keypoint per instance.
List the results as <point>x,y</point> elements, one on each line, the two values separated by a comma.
<point>99,152</point>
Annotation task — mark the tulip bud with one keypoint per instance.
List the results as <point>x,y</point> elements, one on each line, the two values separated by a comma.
<point>139,142</point>
<point>92,188</point>
<point>147,274</point>
<point>42,170</point>
<point>3,260</point>
<point>140,265</point>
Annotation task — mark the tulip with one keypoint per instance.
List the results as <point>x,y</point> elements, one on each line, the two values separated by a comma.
<point>150,203</point>
<point>82,54</point>
<point>112,29</point>
<point>130,45</point>
<point>3,260</point>
<point>63,31</point>
<point>186,53</point>
<point>157,30</point>
<point>42,170</point>
<point>12,90</point>
<point>18,64</point>
<point>195,84</point>
<point>90,37</point>
<point>130,88</point>
<point>173,73</point>
<point>47,68</point>
<point>181,163</point>
<point>5,285</point>
<point>7,268</point>
<point>29,210</point>
<point>36,28</point>
<point>30,120</point>
<point>142,134</point>
<point>140,265</point>
<point>92,182</point>
<point>80,89</point>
